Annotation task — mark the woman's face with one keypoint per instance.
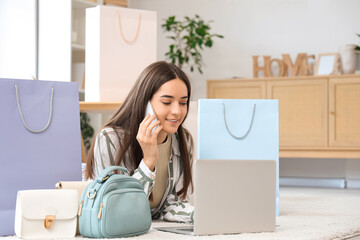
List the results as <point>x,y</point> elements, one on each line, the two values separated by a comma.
<point>170,104</point>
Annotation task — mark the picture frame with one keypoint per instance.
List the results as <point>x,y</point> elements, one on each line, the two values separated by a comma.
<point>326,64</point>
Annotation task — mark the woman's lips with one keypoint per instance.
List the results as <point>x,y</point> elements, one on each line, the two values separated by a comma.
<point>173,121</point>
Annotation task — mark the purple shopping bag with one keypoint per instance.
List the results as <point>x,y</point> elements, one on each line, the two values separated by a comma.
<point>39,142</point>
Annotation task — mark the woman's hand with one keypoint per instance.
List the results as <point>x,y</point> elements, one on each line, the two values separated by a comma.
<point>148,142</point>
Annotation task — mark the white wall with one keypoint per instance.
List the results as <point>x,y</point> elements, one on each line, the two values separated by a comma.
<point>54,40</point>
<point>18,39</point>
<point>260,27</point>
<point>35,39</point>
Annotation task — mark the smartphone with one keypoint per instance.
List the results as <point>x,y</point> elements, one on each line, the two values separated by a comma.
<point>150,110</point>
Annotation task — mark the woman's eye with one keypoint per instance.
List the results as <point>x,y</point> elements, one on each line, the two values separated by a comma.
<point>183,103</point>
<point>166,103</point>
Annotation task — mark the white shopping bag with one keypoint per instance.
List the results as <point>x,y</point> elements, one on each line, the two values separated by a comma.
<point>120,44</point>
<point>191,124</point>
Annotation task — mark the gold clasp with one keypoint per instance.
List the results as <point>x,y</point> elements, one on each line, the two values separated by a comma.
<point>48,222</point>
<point>91,197</point>
<point>105,178</point>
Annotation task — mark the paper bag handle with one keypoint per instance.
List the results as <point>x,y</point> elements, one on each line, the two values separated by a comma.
<point>227,128</point>
<point>122,33</point>
<point>21,114</point>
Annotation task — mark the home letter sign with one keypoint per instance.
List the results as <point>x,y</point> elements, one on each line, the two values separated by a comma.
<point>286,66</point>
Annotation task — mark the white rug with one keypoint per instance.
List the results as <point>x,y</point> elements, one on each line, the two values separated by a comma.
<point>305,213</point>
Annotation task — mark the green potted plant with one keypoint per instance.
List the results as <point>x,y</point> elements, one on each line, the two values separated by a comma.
<point>357,55</point>
<point>87,131</point>
<point>189,36</point>
<point>357,47</point>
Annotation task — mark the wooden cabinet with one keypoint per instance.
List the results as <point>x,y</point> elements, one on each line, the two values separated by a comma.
<point>319,116</point>
<point>344,110</point>
<point>237,89</point>
<point>303,120</point>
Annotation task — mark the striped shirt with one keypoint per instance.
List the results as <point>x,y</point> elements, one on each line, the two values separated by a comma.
<point>171,207</point>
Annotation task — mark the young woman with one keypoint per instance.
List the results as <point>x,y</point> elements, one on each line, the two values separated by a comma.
<point>161,160</point>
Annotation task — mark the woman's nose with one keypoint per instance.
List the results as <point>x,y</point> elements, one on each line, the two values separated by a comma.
<point>175,109</point>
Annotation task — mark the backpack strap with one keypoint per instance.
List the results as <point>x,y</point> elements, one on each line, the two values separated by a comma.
<point>106,173</point>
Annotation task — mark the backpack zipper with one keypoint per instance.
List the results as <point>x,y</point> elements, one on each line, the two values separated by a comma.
<point>100,210</point>
<point>80,207</point>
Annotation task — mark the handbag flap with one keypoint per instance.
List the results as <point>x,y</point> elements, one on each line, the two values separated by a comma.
<point>76,185</point>
<point>36,204</point>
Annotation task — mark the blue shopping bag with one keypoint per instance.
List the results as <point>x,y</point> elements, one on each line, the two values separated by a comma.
<point>239,129</point>
<point>40,139</point>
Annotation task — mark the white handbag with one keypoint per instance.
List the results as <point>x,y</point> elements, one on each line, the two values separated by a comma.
<point>79,186</point>
<point>46,214</point>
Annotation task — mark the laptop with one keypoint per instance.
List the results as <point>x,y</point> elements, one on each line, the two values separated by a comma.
<point>232,196</point>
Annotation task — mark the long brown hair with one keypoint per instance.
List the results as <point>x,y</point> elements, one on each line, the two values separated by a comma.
<point>132,112</point>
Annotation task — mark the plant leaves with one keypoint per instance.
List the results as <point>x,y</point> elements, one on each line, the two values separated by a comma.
<point>188,38</point>
<point>208,43</point>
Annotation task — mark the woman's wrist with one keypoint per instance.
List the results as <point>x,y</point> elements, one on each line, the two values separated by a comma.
<point>150,164</point>
<point>145,172</point>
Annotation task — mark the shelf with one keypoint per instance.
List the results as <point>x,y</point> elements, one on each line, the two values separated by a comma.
<point>77,47</point>
<point>84,4</point>
<point>99,106</point>
<point>325,153</point>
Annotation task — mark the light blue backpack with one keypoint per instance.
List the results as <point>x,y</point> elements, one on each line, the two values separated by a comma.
<point>113,206</point>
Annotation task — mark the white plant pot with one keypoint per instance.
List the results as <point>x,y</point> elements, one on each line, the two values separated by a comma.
<point>348,59</point>
<point>357,69</point>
